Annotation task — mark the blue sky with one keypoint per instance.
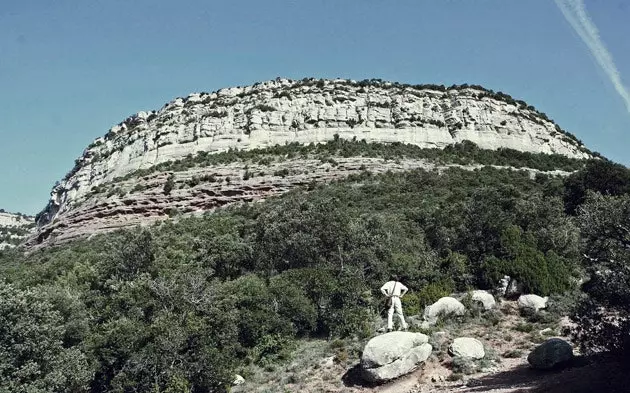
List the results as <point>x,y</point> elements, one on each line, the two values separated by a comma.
<point>69,70</point>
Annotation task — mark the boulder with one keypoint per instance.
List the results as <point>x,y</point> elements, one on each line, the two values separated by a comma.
<point>467,347</point>
<point>533,302</point>
<point>444,306</point>
<point>238,380</point>
<point>552,353</point>
<point>484,298</point>
<point>393,354</point>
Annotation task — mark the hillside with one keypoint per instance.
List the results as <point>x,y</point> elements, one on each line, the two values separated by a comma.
<point>285,292</point>
<point>158,164</point>
<point>14,228</point>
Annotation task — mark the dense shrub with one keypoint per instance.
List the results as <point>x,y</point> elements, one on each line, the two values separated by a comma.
<point>604,316</point>
<point>181,304</point>
<point>34,358</point>
<point>601,176</point>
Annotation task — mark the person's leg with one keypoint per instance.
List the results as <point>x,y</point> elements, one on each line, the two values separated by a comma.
<point>390,316</point>
<point>399,311</point>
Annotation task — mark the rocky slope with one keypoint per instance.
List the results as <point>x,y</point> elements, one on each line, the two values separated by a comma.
<point>14,228</point>
<point>104,190</point>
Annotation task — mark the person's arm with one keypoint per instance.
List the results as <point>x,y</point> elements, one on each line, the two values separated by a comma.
<point>403,290</point>
<point>384,290</point>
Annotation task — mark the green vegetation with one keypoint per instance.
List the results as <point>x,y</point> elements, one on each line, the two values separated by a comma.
<point>465,153</point>
<point>181,306</point>
<point>14,235</point>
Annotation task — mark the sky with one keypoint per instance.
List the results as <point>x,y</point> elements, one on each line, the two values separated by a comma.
<point>69,70</point>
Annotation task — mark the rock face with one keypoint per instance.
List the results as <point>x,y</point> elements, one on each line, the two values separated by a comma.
<point>533,302</point>
<point>467,347</point>
<point>14,228</point>
<point>444,306</point>
<point>271,113</point>
<point>391,355</point>
<point>551,354</point>
<point>483,297</point>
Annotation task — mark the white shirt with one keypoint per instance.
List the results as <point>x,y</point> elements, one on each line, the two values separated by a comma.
<point>393,288</point>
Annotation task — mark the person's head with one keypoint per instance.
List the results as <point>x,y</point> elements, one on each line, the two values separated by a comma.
<point>395,277</point>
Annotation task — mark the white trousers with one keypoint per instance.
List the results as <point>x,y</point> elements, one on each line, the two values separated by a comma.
<point>395,307</point>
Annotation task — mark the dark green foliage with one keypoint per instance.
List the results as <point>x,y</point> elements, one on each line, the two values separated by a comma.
<point>538,272</point>
<point>170,183</point>
<point>34,358</point>
<point>604,316</point>
<point>462,153</point>
<point>180,305</point>
<point>601,176</point>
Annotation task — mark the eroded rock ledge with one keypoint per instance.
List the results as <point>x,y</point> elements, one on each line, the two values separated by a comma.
<point>272,113</point>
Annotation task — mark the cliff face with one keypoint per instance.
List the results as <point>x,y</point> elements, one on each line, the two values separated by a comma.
<point>14,228</point>
<point>284,111</point>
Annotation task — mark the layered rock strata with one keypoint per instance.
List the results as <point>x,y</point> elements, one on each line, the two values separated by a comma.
<point>271,113</point>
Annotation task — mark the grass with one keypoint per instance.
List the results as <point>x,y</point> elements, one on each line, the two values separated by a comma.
<point>512,354</point>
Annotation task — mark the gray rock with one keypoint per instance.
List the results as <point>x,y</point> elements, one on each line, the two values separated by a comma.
<point>393,354</point>
<point>552,353</point>
<point>233,118</point>
<point>484,298</point>
<point>238,380</point>
<point>533,302</point>
<point>444,306</point>
<point>467,347</point>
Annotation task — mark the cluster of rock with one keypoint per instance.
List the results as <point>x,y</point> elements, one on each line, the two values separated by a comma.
<point>279,112</point>
<point>14,228</point>
<point>394,354</point>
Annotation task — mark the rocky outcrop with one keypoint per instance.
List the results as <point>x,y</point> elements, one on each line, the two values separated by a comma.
<point>483,297</point>
<point>391,355</point>
<point>467,347</point>
<point>275,113</point>
<point>443,307</point>
<point>532,302</point>
<point>14,228</point>
<point>551,354</point>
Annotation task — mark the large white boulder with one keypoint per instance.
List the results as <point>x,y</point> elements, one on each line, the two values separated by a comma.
<point>238,380</point>
<point>391,355</point>
<point>467,347</point>
<point>533,302</point>
<point>484,298</point>
<point>551,354</point>
<point>444,306</point>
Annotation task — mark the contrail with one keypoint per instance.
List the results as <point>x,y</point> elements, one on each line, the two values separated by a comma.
<point>575,13</point>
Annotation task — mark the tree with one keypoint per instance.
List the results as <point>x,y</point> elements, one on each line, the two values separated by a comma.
<point>604,317</point>
<point>602,176</point>
<point>34,359</point>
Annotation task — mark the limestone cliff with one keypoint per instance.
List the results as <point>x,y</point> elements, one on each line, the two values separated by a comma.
<point>271,113</point>
<point>14,228</point>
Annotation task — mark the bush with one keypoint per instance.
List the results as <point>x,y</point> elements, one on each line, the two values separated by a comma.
<point>603,317</point>
<point>33,357</point>
<point>463,365</point>
<point>169,184</point>
<point>512,353</point>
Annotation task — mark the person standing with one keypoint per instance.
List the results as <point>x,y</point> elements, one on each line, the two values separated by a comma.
<point>394,290</point>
